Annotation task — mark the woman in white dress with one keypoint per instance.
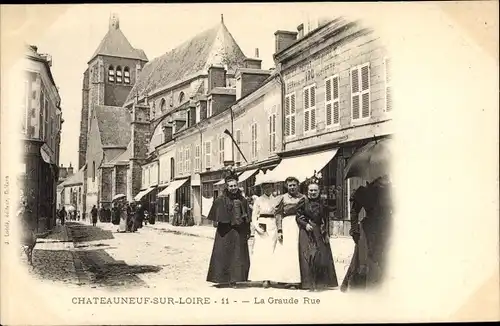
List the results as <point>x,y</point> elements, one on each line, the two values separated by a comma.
<point>287,249</point>
<point>122,208</point>
<point>266,236</point>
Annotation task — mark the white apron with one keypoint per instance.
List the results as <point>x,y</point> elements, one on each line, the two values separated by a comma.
<point>287,253</point>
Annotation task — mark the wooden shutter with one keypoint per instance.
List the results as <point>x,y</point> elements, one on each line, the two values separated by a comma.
<point>355,93</point>
<point>336,106</point>
<point>312,106</point>
<point>274,132</point>
<point>307,117</point>
<point>287,115</point>
<point>388,95</point>
<point>365,89</point>
<point>328,100</point>
<point>292,112</point>
<point>270,133</point>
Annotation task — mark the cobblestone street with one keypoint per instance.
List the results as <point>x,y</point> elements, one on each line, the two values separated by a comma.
<point>157,256</point>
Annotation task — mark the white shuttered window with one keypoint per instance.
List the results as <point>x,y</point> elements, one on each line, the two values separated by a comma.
<point>332,106</point>
<point>254,140</point>
<point>197,158</point>
<point>360,92</point>
<point>237,135</point>
<point>208,154</point>
<point>221,150</point>
<point>388,88</point>
<point>290,115</point>
<point>310,108</point>
<point>272,133</point>
<point>187,158</point>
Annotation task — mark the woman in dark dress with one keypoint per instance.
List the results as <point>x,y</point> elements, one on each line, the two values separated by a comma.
<point>317,270</point>
<point>230,261</point>
<point>371,235</point>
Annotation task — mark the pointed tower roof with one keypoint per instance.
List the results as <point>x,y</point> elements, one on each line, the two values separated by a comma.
<point>215,46</point>
<point>116,44</point>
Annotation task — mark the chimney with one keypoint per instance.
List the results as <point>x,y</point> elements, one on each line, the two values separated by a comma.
<point>167,133</point>
<point>191,116</point>
<point>256,53</point>
<point>216,77</point>
<point>203,109</point>
<point>248,80</point>
<point>252,63</point>
<point>70,170</point>
<point>300,28</point>
<point>284,39</point>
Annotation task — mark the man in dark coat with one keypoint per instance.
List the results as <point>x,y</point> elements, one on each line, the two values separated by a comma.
<point>371,235</point>
<point>93,213</point>
<point>230,261</point>
<point>102,214</point>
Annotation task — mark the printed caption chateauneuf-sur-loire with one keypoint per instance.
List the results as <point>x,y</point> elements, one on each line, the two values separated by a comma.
<point>191,300</point>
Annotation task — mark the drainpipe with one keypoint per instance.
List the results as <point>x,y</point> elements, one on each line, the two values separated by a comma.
<point>282,82</point>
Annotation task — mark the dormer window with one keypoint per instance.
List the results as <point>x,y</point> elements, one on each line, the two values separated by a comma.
<point>181,97</point>
<point>126,75</point>
<point>111,74</point>
<point>163,106</point>
<point>118,74</point>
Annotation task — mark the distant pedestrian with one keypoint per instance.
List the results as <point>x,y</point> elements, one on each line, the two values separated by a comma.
<point>102,214</point>
<point>62,215</point>
<point>185,215</point>
<point>93,213</point>
<point>176,220</point>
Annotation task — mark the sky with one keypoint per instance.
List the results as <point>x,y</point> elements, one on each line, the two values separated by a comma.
<point>75,35</point>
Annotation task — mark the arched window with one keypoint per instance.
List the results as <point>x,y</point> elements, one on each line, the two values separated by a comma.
<point>126,75</point>
<point>181,97</point>
<point>93,171</point>
<point>111,74</point>
<point>163,106</point>
<point>118,74</point>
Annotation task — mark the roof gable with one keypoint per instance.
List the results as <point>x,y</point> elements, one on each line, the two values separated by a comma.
<point>116,44</point>
<point>114,125</point>
<point>215,46</point>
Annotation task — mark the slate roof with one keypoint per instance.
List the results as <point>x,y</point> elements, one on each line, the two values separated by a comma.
<point>116,44</point>
<point>76,178</point>
<point>123,157</point>
<point>114,125</point>
<point>215,46</point>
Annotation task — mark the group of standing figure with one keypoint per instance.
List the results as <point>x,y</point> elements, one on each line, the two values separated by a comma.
<point>291,245</point>
<point>292,240</point>
<point>128,217</point>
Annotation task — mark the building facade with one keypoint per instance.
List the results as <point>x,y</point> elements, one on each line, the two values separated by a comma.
<point>336,98</point>
<point>41,136</point>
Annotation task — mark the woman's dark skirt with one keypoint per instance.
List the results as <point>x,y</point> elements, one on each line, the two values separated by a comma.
<point>369,259</point>
<point>317,269</point>
<point>230,261</point>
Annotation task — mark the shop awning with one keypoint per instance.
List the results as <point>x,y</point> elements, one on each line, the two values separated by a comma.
<point>220,182</point>
<point>302,166</point>
<point>172,187</point>
<point>247,174</point>
<point>143,193</point>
